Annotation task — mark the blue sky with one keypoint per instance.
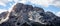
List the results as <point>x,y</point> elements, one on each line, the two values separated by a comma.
<point>47,5</point>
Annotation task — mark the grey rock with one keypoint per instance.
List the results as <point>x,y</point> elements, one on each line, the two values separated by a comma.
<point>27,15</point>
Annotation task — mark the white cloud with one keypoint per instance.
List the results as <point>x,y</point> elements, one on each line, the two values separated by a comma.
<point>23,1</point>
<point>46,2</point>
<point>10,0</point>
<point>3,2</point>
<point>41,2</point>
<point>2,10</point>
<point>57,3</point>
<point>58,14</point>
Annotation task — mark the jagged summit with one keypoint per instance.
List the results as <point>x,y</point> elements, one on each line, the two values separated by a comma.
<point>27,15</point>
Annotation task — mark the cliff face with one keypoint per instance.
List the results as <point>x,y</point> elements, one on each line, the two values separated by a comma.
<point>27,15</point>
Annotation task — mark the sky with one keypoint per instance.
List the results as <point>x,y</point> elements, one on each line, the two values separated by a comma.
<point>47,5</point>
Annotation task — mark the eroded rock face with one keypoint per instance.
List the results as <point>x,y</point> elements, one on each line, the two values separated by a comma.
<point>27,15</point>
<point>3,17</point>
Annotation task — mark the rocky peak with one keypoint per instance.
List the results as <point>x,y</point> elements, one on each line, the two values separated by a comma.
<point>27,15</point>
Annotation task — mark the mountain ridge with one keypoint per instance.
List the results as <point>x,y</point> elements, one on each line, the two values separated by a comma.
<point>27,15</point>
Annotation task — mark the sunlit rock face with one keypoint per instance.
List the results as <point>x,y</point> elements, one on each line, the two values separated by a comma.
<point>27,15</point>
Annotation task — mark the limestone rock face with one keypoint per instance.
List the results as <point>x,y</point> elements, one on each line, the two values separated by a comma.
<point>27,15</point>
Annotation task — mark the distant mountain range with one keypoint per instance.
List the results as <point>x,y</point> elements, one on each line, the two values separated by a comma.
<point>27,15</point>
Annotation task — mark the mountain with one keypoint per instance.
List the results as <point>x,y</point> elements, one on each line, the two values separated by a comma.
<point>27,15</point>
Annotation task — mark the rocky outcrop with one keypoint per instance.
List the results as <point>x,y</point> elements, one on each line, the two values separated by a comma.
<point>27,15</point>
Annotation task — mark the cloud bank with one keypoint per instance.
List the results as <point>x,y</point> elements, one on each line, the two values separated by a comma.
<point>45,3</point>
<point>39,2</point>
